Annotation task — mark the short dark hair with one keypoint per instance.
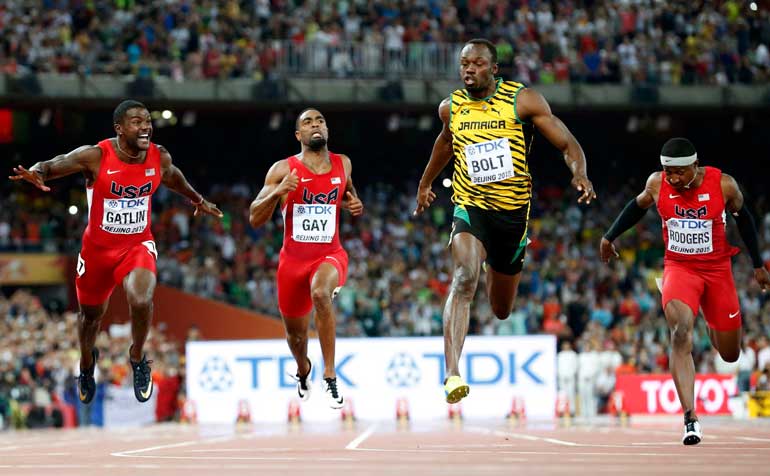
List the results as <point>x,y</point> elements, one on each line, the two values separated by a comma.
<point>678,147</point>
<point>120,112</point>
<point>488,44</point>
<point>296,121</point>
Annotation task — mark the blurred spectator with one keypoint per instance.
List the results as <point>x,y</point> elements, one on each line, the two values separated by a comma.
<point>647,42</point>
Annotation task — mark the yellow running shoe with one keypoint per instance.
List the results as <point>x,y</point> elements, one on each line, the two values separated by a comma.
<point>455,389</point>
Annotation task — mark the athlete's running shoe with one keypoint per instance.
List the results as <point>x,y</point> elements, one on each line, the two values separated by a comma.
<point>455,389</point>
<point>142,379</point>
<point>86,381</point>
<point>303,383</point>
<point>692,433</point>
<point>333,396</point>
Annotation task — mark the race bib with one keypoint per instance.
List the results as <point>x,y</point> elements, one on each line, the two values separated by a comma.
<point>314,223</point>
<point>690,236</point>
<point>125,216</point>
<point>489,161</point>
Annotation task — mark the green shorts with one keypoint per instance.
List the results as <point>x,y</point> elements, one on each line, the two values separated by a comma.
<point>503,234</point>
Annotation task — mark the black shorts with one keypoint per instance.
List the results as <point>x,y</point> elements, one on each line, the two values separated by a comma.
<point>503,234</point>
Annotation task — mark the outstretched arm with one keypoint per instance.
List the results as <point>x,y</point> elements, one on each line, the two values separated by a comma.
<point>746,227</point>
<point>278,182</point>
<point>174,179</point>
<point>634,210</point>
<point>439,158</point>
<point>532,106</point>
<point>351,202</point>
<point>83,159</point>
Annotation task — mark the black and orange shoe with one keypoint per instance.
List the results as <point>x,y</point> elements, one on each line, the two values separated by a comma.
<point>142,379</point>
<point>86,381</point>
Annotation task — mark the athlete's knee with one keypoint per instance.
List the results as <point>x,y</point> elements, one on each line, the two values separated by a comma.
<point>502,310</point>
<point>321,297</point>
<point>681,336</point>
<point>295,338</point>
<point>730,355</point>
<point>140,303</point>
<point>465,281</point>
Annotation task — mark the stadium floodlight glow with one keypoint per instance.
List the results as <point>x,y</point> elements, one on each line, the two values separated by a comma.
<point>166,114</point>
<point>73,210</point>
<point>446,182</point>
<point>753,6</point>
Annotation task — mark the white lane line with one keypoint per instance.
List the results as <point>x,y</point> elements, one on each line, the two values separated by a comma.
<point>362,437</point>
<point>133,453</point>
<point>751,438</point>
<point>521,436</point>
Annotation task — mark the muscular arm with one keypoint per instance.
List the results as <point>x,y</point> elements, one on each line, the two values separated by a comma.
<point>439,158</point>
<point>532,106</point>
<point>442,148</point>
<point>350,201</point>
<point>634,211</point>
<point>746,226</point>
<point>86,159</point>
<point>263,206</point>
<point>174,179</point>
<point>348,165</point>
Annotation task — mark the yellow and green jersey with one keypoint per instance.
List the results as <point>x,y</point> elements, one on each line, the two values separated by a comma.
<point>490,146</point>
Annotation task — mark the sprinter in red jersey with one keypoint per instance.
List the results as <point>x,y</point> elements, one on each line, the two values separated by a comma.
<point>311,187</point>
<point>691,202</point>
<point>121,175</point>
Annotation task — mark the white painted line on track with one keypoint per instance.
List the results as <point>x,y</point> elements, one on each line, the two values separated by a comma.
<point>132,453</point>
<point>362,437</point>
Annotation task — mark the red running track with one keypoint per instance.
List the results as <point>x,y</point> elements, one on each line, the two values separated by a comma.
<point>370,448</point>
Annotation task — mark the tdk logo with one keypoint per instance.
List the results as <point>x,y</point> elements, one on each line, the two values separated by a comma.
<point>402,370</point>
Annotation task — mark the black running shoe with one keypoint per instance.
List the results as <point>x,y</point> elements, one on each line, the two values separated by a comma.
<point>86,381</point>
<point>142,379</point>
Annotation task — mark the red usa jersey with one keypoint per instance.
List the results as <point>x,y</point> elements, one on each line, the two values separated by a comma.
<point>120,200</point>
<point>694,220</point>
<point>311,213</point>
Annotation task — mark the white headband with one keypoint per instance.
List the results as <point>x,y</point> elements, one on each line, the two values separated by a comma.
<point>678,161</point>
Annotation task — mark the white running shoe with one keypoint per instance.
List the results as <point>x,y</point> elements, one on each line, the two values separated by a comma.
<point>303,383</point>
<point>333,396</point>
<point>692,433</point>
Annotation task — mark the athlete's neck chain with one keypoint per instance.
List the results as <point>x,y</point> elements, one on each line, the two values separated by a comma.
<point>117,142</point>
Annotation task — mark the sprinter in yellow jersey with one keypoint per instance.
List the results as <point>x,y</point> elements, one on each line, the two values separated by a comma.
<point>488,131</point>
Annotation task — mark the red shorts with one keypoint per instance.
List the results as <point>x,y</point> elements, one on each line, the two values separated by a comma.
<point>711,288</point>
<point>99,269</point>
<point>295,276</point>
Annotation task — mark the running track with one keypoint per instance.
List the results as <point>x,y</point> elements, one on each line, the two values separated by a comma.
<point>371,448</point>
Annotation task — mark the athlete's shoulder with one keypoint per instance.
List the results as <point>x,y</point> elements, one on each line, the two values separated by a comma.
<point>510,86</point>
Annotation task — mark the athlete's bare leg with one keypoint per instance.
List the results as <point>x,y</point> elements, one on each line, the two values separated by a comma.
<point>727,343</point>
<point>467,254</point>
<point>296,337</point>
<point>680,321</point>
<point>140,288</point>
<point>501,290</point>
<point>89,321</point>
<point>325,280</point>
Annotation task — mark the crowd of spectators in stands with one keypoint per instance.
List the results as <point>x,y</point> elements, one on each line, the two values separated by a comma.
<point>630,41</point>
<point>39,362</point>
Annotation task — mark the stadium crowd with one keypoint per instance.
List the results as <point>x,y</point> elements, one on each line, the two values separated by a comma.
<point>629,41</point>
<point>399,274</point>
